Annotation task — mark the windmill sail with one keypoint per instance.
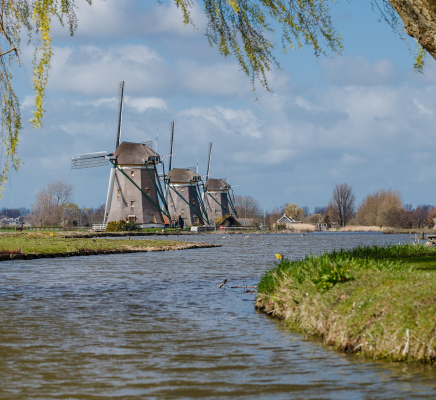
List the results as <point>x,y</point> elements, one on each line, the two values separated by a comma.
<point>112,175</point>
<point>170,159</point>
<point>208,162</point>
<point>120,111</point>
<point>89,160</point>
<point>170,162</point>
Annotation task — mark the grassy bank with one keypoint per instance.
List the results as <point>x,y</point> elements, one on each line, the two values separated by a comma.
<point>379,302</point>
<point>40,243</point>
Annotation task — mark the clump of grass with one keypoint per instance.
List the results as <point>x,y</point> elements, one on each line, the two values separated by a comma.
<point>370,301</point>
<point>387,251</point>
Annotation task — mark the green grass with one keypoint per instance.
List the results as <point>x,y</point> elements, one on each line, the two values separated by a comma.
<point>45,243</point>
<point>379,302</point>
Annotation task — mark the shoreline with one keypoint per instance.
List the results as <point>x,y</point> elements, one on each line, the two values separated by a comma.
<point>379,307</point>
<point>92,234</point>
<point>42,245</point>
<point>33,256</point>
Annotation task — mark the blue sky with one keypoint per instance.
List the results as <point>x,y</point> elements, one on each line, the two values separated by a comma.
<point>364,118</point>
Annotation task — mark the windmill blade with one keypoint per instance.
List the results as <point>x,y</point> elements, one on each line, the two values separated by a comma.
<point>120,111</point>
<point>110,191</point>
<point>89,160</point>
<point>170,162</point>
<point>208,162</point>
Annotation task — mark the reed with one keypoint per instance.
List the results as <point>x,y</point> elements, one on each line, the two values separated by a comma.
<point>378,302</point>
<point>301,228</point>
<point>360,228</point>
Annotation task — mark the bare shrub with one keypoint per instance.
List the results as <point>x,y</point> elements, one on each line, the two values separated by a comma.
<point>379,208</point>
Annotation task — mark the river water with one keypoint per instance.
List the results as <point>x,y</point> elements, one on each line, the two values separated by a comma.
<point>156,326</point>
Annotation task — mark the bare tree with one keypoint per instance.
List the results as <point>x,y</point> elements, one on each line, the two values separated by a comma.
<point>50,203</point>
<point>247,207</point>
<point>341,205</point>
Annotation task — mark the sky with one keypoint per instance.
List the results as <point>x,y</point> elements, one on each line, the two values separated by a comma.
<point>363,118</point>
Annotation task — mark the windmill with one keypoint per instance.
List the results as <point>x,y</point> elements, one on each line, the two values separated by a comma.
<point>184,198</point>
<point>217,197</point>
<point>134,186</point>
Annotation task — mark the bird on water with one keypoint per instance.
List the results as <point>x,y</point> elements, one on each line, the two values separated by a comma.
<point>222,284</point>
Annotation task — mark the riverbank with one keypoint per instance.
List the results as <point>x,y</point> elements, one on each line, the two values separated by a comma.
<point>378,302</point>
<point>39,245</point>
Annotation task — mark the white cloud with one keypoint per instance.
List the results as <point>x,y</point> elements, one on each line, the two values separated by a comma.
<point>421,108</point>
<point>128,18</point>
<point>232,122</point>
<point>140,104</point>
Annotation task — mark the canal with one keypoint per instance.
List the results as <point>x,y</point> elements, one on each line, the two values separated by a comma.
<point>156,326</point>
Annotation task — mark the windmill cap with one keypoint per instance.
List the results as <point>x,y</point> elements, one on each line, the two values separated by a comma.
<point>216,184</point>
<point>129,153</point>
<point>182,175</point>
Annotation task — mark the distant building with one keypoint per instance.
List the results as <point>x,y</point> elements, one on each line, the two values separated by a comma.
<point>287,221</point>
<point>246,222</point>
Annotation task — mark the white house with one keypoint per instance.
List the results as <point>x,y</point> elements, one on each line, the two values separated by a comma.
<point>287,220</point>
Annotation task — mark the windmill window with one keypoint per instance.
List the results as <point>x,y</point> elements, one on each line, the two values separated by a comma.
<point>195,219</point>
<point>216,195</point>
<point>132,204</point>
<point>118,193</point>
<point>183,211</point>
<point>153,218</point>
<point>183,189</point>
<point>193,202</point>
<point>132,218</point>
<point>150,219</point>
<point>132,173</point>
<point>172,202</point>
<point>147,191</point>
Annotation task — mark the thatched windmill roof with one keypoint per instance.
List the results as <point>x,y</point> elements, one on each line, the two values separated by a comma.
<point>181,175</point>
<point>216,185</point>
<point>129,153</point>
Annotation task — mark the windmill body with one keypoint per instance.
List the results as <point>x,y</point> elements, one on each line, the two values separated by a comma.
<point>184,200</point>
<point>216,198</point>
<point>128,203</point>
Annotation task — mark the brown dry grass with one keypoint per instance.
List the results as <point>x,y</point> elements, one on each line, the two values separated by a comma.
<point>360,228</point>
<point>301,228</point>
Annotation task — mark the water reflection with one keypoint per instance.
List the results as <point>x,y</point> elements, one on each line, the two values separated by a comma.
<point>155,325</point>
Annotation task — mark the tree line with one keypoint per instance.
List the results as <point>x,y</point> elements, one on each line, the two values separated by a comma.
<point>54,206</point>
<point>384,207</point>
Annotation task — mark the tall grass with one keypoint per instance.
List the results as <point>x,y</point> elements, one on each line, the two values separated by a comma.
<point>387,251</point>
<point>339,266</point>
<point>300,228</point>
<point>374,301</point>
<point>360,228</point>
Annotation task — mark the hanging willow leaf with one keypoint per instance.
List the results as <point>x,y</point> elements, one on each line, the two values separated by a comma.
<point>33,17</point>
